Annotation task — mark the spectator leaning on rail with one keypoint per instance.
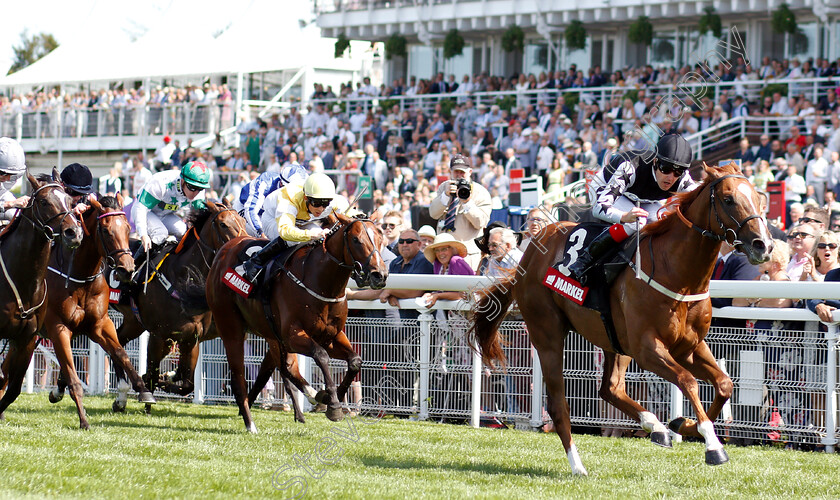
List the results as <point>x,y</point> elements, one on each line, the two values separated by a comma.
<point>252,196</point>
<point>649,175</point>
<point>12,168</point>
<point>462,207</point>
<point>156,211</point>
<point>291,207</point>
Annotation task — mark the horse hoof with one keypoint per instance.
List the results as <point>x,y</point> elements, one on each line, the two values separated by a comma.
<point>84,426</point>
<point>716,457</point>
<point>55,399</point>
<point>322,397</point>
<point>146,397</point>
<point>300,419</point>
<point>335,414</point>
<point>675,424</point>
<point>252,428</point>
<point>117,407</point>
<point>662,439</point>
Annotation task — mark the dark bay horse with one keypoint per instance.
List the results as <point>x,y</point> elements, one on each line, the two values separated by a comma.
<point>159,309</point>
<point>79,294</point>
<point>663,333</point>
<point>24,252</point>
<point>308,308</point>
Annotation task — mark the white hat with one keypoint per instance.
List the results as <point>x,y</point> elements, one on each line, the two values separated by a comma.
<point>444,240</point>
<point>12,159</point>
<point>426,230</point>
<point>336,109</point>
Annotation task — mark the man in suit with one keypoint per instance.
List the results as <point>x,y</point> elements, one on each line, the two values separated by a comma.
<point>731,265</point>
<point>511,161</point>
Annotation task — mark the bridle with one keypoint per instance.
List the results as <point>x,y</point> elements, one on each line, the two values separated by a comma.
<point>729,235</point>
<point>359,269</point>
<point>36,221</point>
<point>112,256</point>
<point>218,235</point>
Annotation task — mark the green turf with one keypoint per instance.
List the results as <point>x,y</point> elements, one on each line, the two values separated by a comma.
<point>188,451</point>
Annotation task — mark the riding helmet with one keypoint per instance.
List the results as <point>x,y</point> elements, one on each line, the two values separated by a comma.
<point>11,157</point>
<point>196,173</point>
<point>319,185</point>
<point>674,149</point>
<point>77,177</point>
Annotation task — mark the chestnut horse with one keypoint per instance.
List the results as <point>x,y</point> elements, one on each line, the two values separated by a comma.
<point>308,308</point>
<point>24,252</point>
<point>79,294</point>
<point>159,309</point>
<point>662,325</point>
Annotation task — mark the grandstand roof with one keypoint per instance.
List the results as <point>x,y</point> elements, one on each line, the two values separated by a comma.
<point>261,39</point>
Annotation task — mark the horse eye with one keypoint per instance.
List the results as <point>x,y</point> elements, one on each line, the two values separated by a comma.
<point>729,200</point>
<point>224,226</point>
<point>355,239</point>
<point>43,202</point>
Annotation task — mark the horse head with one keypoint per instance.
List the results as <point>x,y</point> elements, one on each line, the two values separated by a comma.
<point>111,233</point>
<point>361,244</point>
<point>736,208</point>
<point>49,210</point>
<point>221,225</point>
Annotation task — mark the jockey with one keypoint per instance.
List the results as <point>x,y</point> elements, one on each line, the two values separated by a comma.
<point>155,212</point>
<point>12,168</point>
<point>252,197</point>
<point>296,215</point>
<point>78,183</point>
<point>651,176</point>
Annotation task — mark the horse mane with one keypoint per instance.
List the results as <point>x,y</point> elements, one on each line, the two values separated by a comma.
<point>44,178</point>
<point>197,217</point>
<point>109,202</point>
<point>683,200</point>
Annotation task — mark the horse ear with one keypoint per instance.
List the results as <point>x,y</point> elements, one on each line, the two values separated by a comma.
<point>95,204</point>
<point>710,172</point>
<point>212,206</point>
<point>55,175</point>
<point>119,199</point>
<point>33,182</point>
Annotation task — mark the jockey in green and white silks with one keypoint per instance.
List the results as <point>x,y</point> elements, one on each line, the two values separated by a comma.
<point>155,211</point>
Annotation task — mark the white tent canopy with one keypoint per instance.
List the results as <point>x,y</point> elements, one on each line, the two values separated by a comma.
<point>267,37</point>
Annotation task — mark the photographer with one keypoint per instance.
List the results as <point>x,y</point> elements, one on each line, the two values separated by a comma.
<point>462,207</point>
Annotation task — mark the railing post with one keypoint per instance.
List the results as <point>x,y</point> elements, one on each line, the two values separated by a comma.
<point>187,119</point>
<point>29,378</point>
<point>536,390</point>
<point>425,320</point>
<point>198,376</point>
<point>475,396</point>
<point>143,347</point>
<point>121,122</point>
<point>830,439</point>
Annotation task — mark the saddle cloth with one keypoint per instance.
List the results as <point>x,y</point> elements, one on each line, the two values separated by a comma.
<point>233,276</point>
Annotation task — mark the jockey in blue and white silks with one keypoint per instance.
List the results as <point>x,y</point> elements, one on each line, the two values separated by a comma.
<point>251,199</point>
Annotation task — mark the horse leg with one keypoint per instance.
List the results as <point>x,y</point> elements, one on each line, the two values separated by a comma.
<point>15,366</point>
<point>105,335</point>
<point>266,368</point>
<point>702,364</point>
<point>341,349</point>
<point>328,397</point>
<point>232,331</point>
<point>613,391</point>
<point>60,336</point>
<point>291,372</point>
<point>291,392</point>
<point>183,383</point>
<point>57,394</point>
<point>654,356</point>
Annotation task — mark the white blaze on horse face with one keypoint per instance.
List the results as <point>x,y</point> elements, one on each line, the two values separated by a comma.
<point>747,191</point>
<point>707,430</point>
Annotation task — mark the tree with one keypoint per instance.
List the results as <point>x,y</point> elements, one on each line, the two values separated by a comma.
<point>30,49</point>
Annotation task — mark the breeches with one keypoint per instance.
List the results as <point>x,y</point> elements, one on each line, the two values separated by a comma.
<point>163,224</point>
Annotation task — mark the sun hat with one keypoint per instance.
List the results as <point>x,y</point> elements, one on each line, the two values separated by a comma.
<point>444,240</point>
<point>426,230</point>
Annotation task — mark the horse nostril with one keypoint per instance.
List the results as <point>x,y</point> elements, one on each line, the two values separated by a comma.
<point>760,247</point>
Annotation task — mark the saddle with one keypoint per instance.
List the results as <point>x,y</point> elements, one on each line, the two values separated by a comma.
<point>233,276</point>
<point>599,277</point>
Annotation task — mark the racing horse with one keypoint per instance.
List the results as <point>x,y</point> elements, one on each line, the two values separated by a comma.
<point>661,323</point>
<point>24,252</point>
<point>159,311</point>
<point>308,308</point>
<point>79,293</point>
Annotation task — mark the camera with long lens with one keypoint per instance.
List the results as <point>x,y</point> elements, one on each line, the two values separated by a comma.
<point>463,188</point>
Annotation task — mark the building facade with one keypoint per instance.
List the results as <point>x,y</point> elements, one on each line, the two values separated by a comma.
<point>676,38</point>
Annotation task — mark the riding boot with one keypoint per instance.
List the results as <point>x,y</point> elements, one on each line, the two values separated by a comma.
<point>255,264</point>
<point>599,247</point>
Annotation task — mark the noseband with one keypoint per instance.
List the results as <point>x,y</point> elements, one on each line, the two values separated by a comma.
<point>729,235</point>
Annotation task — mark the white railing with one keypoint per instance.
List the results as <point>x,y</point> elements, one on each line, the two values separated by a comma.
<point>423,367</point>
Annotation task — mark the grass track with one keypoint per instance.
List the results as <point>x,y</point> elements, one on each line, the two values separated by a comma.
<point>187,451</point>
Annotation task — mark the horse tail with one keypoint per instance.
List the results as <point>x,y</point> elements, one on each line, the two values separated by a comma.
<point>488,312</point>
<point>192,293</point>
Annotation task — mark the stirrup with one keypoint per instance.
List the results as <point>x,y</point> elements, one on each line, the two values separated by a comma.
<point>251,271</point>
